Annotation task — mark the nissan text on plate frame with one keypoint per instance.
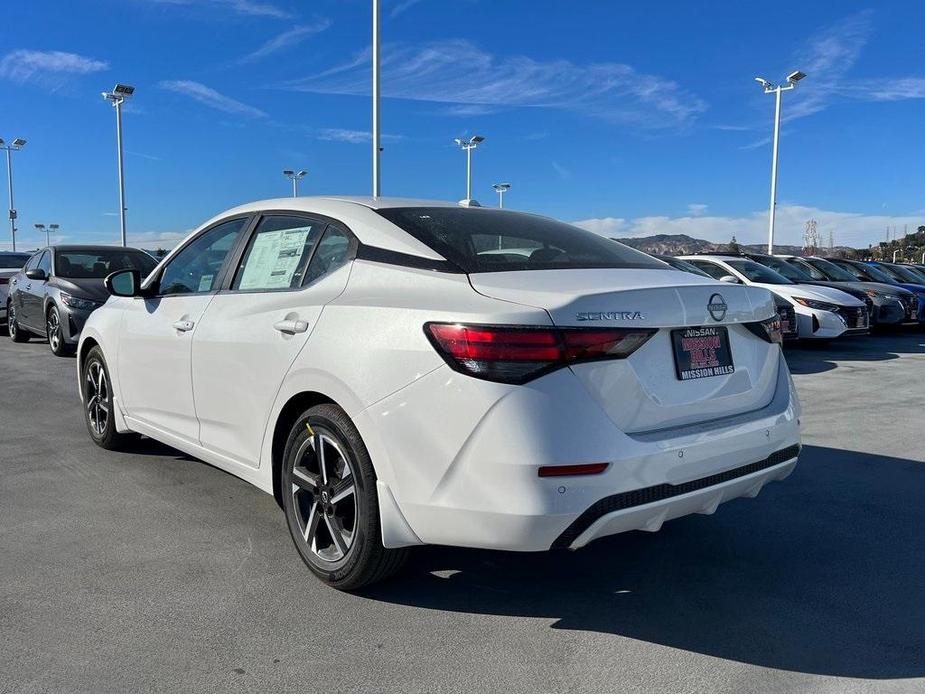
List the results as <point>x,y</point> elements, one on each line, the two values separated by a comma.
<point>405,372</point>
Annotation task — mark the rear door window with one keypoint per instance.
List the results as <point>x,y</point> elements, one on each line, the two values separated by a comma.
<point>277,254</point>
<point>332,253</point>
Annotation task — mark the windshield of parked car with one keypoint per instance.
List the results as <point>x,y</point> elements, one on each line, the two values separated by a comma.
<point>13,260</point>
<point>683,265</point>
<point>834,272</point>
<point>784,268</point>
<point>491,240</point>
<point>756,272</point>
<point>901,273</point>
<point>90,264</point>
<point>867,273</point>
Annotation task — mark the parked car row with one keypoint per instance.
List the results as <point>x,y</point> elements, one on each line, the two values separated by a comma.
<point>825,298</point>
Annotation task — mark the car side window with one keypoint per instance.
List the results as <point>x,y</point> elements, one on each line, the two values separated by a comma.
<point>45,263</point>
<point>277,254</point>
<point>714,271</point>
<point>333,252</point>
<point>198,266</point>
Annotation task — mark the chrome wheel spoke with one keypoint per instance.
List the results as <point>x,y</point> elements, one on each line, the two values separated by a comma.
<point>336,528</point>
<point>303,479</point>
<point>311,527</point>
<point>318,445</point>
<point>342,489</point>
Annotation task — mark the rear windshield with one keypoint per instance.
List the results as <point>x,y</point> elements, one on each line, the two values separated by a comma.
<point>756,272</point>
<point>13,259</point>
<point>867,273</point>
<point>480,240</point>
<point>89,264</point>
<point>901,273</point>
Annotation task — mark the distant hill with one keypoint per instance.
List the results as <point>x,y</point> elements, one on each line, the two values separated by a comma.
<point>682,244</point>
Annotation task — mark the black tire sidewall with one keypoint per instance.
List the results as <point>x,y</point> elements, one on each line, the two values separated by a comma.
<point>109,435</point>
<point>368,535</point>
<point>13,329</point>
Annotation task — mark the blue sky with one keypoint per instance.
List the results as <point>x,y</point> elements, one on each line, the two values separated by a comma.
<point>632,118</point>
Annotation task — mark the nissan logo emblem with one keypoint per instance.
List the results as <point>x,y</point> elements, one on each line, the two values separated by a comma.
<point>717,307</point>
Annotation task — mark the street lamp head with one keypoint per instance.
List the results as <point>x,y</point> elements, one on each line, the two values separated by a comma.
<point>288,172</point>
<point>40,227</point>
<point>795,76</point>
<point>764,83</point>
<point>502,187</point>
<point>476,139</point>
<point>54,227</point>
<point>123,90</point>
<point>19,142</point>
<point>302,174</point>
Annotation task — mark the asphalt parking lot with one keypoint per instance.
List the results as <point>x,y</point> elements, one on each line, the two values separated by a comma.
<point>150,571</point>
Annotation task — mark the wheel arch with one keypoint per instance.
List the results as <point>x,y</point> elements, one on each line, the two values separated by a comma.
<point>295,406</point>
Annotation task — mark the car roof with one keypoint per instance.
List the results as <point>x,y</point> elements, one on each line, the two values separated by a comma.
<point>91,247</point>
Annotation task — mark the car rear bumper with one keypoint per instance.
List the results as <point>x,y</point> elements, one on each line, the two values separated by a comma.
<point>491,496</point>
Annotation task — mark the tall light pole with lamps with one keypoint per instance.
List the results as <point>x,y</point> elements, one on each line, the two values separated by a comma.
<point>501,189</point>
<point>295,177</point>
<point>117,97</point>
<point>776,89</point>
<point>468,146</point>
<point>14,146</point>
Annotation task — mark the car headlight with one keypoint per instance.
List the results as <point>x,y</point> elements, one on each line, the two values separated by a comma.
<point>78,303</point>
<point>817,305</point>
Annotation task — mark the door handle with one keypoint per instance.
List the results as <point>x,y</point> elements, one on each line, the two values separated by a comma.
<point>183,325</point>
<point>291,326</point>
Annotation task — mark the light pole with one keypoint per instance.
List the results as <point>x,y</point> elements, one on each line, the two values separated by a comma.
<point>501,189</point>
<point>41,228</point>
<point>776,89</point>
<point>377,148</point>
<point>117,96</point>
<point>468,146</point>
<point>894,254</point>
<point>14,146</point>
<point>295,177</point>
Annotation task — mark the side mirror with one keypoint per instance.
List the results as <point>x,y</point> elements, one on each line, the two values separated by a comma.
<point>124,283</point>
<point>36,274</point>
<point>729,279</point>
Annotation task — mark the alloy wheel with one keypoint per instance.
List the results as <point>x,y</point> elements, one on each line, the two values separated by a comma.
<point>324,497</point>
<point>53,328</point>
<point>11,326</point>
<point>97,398</point>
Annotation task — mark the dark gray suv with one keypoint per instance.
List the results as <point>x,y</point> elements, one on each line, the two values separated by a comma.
<point>60,286</point>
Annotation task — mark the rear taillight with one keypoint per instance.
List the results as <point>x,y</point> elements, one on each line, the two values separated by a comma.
<point>511,354</point>
<point>769,330</point>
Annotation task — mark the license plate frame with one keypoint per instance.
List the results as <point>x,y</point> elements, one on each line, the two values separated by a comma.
<point>702,352</point>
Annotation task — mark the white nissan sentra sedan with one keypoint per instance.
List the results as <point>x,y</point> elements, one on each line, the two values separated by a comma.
<point>404,372</point>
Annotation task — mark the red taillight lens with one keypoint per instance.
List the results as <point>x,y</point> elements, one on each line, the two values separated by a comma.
<point>571,470</point>
<point>517,354</point>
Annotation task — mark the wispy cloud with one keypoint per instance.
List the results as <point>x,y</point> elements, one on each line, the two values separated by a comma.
<point>561,170</point>
<point>353,137</point>
<point>247,8</point>
<point>755,144</point>
<point>432,72</point>
<point>848,228</point>
<point>142,155</point>
<point>403,6</point>
<point>49,68</point>
<point>211,98</point>
<point>287,39</point>
<point>468,110</point>
<point>697,209</point>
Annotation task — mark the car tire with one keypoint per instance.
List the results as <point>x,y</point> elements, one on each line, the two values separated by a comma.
<point>319,505</point>
<point>16,333</point>
<point>55,334</point>
<point>98,404</point>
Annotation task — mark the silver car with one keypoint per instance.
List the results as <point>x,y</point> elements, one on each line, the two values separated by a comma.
<point>10,264</point>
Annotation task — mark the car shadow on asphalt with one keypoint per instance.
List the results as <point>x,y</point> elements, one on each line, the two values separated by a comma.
<point>821,574</point>
<point>812,357</point>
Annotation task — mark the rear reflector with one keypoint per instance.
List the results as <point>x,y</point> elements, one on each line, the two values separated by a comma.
<point>769,330</point>
<point>569,470</point>
<point>517,354</point>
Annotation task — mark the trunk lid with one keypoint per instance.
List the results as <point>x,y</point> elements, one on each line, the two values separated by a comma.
<point>644,392</point>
